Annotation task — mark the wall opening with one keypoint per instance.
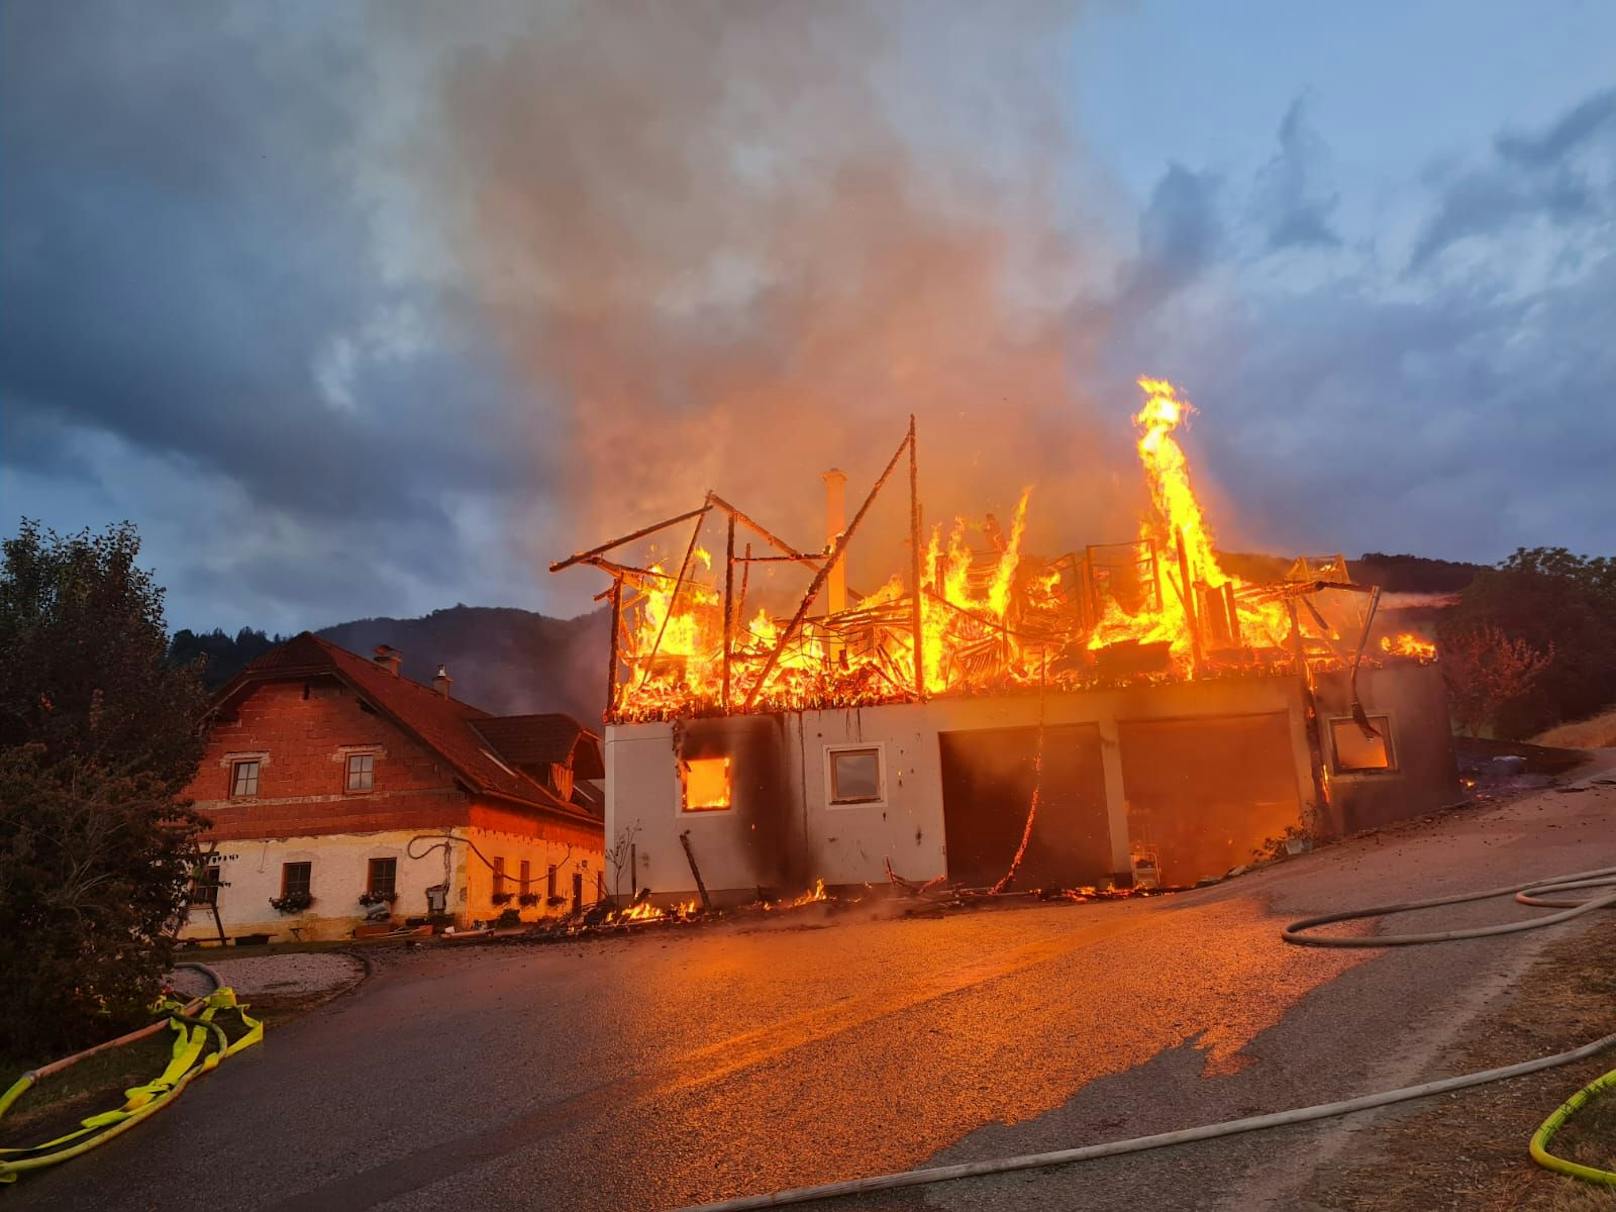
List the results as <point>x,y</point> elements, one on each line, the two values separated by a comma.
<point>706,784</point>
<point>1204,793</point>
<point>988,781</point>
<point>1356,751</point>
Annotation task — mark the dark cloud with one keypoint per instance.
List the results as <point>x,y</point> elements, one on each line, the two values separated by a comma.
<point>189,265</point>
<point>1293,206</point>
<point>1556,175</point>
<point>364,311</point>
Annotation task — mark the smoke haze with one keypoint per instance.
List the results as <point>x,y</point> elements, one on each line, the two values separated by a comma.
<point>732,245</point>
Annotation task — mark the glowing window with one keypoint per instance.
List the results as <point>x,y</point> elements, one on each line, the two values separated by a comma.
<point>1355,750</point>
<point>855,776</point>
<point>706,784</point>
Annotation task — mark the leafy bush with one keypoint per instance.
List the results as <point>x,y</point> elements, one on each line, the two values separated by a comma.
<point>1557,604</point>
<point>98,736</point>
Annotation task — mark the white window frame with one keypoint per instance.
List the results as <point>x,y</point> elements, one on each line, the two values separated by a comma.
<point>881,800</point>
<point>1389,734</point>
<point>347,771</point>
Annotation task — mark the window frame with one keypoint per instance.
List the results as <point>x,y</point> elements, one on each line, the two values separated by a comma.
<point>236,764</point>
<point>881,798</point>
<point>683,807</point>
<point>211,880</point>
<point>500,877</point>
<point>360,755</point>
<point>1384,723</point>
<point>308,882</point>
<point>392,875</point>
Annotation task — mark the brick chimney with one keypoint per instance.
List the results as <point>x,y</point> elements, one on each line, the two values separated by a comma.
<point>441,681</point>
<point>389,658</point>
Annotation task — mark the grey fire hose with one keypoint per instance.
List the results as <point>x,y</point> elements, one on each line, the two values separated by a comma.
<point>1533,893</point>
<point>1542,893</point>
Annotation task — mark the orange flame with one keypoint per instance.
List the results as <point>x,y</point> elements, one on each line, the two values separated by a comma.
<point>1407,644</point>
<point>990,616</point>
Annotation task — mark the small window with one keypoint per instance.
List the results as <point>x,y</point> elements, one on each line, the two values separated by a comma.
<point>382,879</point>
<point>525,878</point>
<point>244,779</point>
<point>205,886</point>
<point>296,878</point>
<point>706,784</point>
<point>1356,751</point>
<point>499,874</point>
<point>361,771</point>
<point>855,776</point>
<point>550,882</point>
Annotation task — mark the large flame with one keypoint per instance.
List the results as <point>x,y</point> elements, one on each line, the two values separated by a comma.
<point>990,616</point>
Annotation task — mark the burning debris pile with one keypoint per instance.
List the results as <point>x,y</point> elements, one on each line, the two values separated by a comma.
<point>987,617</point>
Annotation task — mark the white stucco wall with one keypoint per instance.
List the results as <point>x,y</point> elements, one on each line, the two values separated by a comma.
<point>849,844</point>
<point>339,862</point>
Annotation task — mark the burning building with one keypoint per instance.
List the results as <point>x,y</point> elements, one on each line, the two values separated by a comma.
<point>1120,711</point>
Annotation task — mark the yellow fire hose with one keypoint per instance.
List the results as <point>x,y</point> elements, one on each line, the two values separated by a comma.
<point>1540,1139</point>
<point>193,1026</point>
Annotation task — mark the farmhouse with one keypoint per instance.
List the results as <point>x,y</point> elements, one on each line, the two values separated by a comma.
<point>341,791</point>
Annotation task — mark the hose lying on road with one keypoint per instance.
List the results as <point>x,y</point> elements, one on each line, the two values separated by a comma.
<point>1538,893</point>
<point>1542,893</point>
<point>194,1028</point>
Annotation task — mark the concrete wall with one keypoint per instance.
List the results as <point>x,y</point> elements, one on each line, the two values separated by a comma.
<point>848,844</point>
<point>1414,700</point>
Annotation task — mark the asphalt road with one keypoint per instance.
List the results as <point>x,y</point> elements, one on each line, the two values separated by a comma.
<point>699,1064</point>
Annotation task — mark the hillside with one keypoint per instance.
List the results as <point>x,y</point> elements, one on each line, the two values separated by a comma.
<point>502,659</point>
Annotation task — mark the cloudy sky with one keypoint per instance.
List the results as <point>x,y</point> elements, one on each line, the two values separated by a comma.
<point>370,310</point>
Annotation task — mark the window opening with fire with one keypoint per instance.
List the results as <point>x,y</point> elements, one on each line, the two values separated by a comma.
<point>855,775</point>
<point>1356,751</point>
<point>706,784</point>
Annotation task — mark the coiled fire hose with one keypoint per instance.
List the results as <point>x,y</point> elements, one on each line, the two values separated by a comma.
<point>195,1027</point>
<point>1539,893</point>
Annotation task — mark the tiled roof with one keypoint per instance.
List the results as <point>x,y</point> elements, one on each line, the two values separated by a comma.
<point>538,740</point>
<point>443,724</point>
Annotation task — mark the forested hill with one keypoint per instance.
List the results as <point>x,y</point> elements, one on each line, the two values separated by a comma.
<point>502,659</point>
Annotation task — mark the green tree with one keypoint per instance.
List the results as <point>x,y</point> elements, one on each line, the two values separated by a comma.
<point>98,736</point>
<point>1553,601</point>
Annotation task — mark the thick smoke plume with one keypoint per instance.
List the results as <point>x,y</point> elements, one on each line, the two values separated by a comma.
<point>730,245</point>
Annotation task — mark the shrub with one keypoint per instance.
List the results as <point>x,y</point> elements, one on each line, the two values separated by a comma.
<point>98,736</point>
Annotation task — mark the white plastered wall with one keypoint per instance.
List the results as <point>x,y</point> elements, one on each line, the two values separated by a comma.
<point>850,844</point>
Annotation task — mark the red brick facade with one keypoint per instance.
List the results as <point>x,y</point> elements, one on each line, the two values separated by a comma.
<point>302,723</point>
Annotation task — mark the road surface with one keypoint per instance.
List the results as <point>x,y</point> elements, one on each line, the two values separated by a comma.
<point>698,1064</point>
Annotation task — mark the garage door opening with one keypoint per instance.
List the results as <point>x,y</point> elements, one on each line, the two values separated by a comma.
<point>1204,793</point>
<point>987,784</point>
